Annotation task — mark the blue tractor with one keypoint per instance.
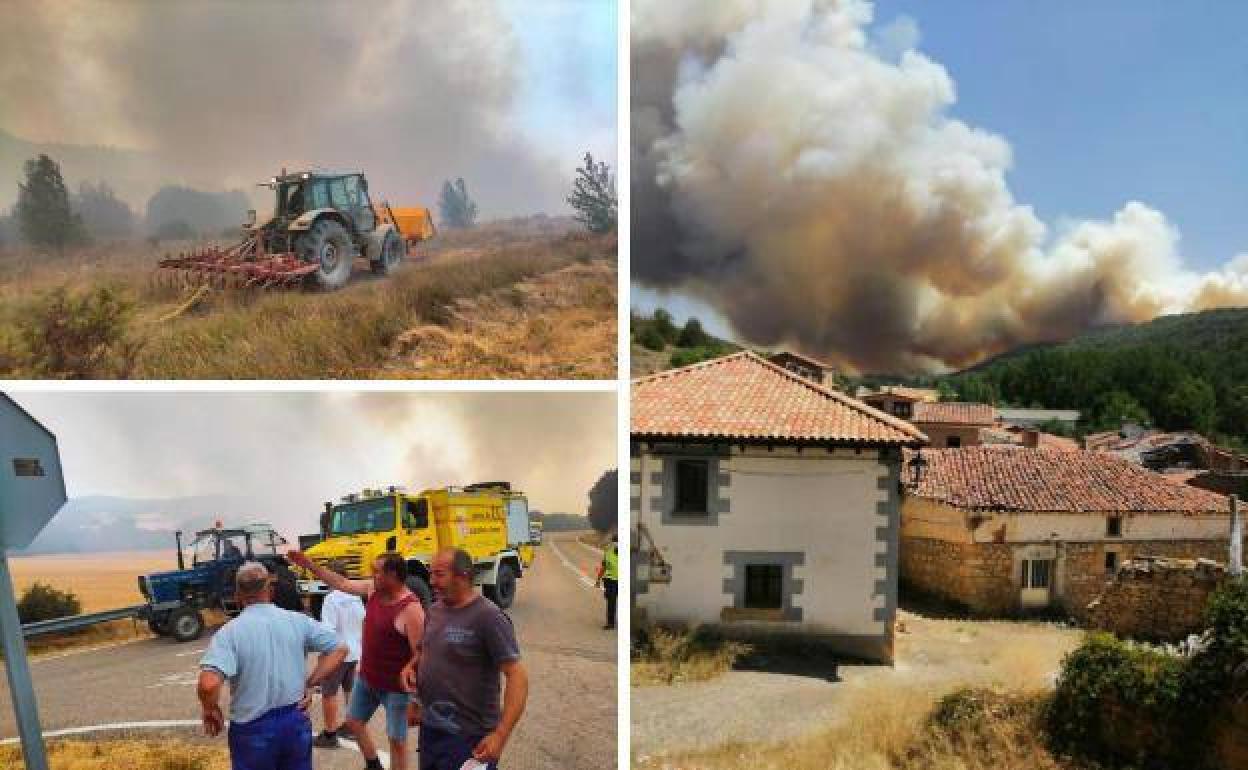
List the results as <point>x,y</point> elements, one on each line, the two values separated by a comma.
<point>176,599</point>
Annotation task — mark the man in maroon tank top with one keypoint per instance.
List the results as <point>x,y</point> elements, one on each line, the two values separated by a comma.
<point>394,625</point>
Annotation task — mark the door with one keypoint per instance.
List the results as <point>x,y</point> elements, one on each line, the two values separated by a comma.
<point>360,211</point>
<point>1037,583</point>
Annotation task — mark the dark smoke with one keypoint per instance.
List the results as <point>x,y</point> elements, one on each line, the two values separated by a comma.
<point>810,186</point>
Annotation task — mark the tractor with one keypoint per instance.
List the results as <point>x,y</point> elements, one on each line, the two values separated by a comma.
<point>176,599</point>
<point>321,223</point>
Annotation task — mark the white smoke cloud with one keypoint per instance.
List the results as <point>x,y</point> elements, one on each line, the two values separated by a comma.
<point>809,183</point>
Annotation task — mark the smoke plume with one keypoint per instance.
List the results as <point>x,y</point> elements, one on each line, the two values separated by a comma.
<point>223,94</point>
<point>806,180</point>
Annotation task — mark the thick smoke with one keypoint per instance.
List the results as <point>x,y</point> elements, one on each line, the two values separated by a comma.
<point>222,95</point>
<point>806,181</point>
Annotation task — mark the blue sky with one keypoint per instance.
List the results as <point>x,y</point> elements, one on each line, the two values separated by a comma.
<point>1105,102</point>
<point>568,90</point>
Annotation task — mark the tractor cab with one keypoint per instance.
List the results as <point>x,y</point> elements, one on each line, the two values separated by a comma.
<point>176,599</point>
<point>303,196</point>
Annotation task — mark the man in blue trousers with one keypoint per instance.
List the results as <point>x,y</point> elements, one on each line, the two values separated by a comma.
<point>263,654</point>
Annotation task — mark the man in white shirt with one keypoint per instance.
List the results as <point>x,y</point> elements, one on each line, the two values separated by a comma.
<point>344,613</point>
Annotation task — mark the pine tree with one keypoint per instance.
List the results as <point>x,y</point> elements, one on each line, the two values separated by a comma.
<point>44,215</point>
<point>457,208</point>
<point>593,196</point>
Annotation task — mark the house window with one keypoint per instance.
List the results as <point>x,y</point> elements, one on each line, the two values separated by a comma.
<point>1113,526</point>
<point>953,442</point>
<point>764,586</point>
<point>901,409</point>
<point>1111,562</point>
<point>1037,573</point>
<point>691,486</point>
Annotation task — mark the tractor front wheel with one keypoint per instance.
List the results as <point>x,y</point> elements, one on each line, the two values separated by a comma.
<point>328,246</point>
<point>185,624</point>
<point>391,254</point>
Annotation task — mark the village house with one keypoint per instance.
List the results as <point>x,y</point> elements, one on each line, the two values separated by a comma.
<point>898,400</point>
<point>1006,529</point>
<point>764,504</point>
<point>805,366</point>
<point>953,423</point>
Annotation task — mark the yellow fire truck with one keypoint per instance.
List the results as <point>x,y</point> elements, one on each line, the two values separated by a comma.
<point>489,520</point>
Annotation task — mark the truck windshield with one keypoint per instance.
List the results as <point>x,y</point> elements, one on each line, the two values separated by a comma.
<point>365,516</point>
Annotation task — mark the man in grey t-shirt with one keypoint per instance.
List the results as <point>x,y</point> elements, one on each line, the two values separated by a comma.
<point>468,642</point>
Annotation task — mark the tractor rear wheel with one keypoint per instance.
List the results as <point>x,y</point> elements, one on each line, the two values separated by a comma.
<point>185,624</point>
<point>328,246</point>
<point>391,254</point>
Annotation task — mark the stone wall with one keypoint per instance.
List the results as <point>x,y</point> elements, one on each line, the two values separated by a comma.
<point>1083,572</point>
<point>978,576</point>
<point>1157,599</point>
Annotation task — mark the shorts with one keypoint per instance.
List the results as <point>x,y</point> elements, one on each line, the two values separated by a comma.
<point>342,677</point>
<point>281,738</point>
<point>364,702</point>
<point>440,750</point>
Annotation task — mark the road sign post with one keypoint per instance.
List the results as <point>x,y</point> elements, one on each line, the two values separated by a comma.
<point>32,490</point>
<point>20,685</point>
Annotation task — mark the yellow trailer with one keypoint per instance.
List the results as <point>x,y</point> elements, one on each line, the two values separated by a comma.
<point>414,223</point>
<point>489,520</point>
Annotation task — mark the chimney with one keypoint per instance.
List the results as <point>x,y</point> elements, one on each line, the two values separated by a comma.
<point>1031,438</point>
<point>1237,539</point>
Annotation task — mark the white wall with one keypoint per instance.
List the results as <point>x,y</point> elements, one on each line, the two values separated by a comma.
<point>819,503</point>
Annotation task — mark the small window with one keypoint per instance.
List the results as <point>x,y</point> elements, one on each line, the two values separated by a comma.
<point>953,442</point>
<point>764,586</point>
<point>1113,526</point>
<point>338,194</point>
<point>691,486</point>
<point>1037,573</point>
<point>1111,562</point>
<point>902,409</point>
<point>318,195</point>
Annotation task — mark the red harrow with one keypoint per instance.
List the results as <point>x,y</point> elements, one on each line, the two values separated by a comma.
<point>244,265</point>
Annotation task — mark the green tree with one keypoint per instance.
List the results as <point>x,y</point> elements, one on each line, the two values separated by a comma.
<point>104,215</point>
<point>650,339</point>
<point>1114,408</point>
<point>43,211</point>
<point>456,206</point>
<point>662,323</point>
<point>1191,405</point>
<point>692,335</point>
<point>593,196</point>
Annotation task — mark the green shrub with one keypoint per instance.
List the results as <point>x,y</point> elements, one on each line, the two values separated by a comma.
<point>43,602</point>
<point>651,339</point>
<point>68,334</point>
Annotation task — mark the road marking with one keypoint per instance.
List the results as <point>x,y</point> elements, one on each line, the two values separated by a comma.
<point>159,725</point>
<point>192,652</point>
<point>581,576</point>
<point>80,650</point>
<point>184,679</point>
<point>595,550</point>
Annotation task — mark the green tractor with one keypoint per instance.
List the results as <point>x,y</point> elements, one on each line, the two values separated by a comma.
<point>322,222</point>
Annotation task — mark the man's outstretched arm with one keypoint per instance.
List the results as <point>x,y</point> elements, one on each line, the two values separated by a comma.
<point>361,588</point>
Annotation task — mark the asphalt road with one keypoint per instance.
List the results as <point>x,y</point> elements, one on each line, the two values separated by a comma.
<point>570,721</point>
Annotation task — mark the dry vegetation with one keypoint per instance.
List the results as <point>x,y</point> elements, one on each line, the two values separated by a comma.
<point>479,304</point>
<point>671,656</point>
<point>169,754</point>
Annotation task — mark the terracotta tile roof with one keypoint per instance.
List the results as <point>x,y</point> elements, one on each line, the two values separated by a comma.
<point>904,392</point>
<point>1054,441</point>
<point>953,413</point>
<point>1017,479</point>
<point>743,396</point>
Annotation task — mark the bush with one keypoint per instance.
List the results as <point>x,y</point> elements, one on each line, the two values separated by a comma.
<point>689,356</point>
<point>78,335</point>
<point>662,656</point>
<point>43,602</point>
<point>651,339</point>
<point>692,335</point>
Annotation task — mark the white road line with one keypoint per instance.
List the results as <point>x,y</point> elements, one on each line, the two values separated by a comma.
<point>80,650</point>
<point>192,652</point>
<point>161,724</point>
<point>595,550</point>
<point>581,576</point>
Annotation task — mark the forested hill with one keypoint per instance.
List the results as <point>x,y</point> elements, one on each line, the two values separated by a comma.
<point>1177,372</point>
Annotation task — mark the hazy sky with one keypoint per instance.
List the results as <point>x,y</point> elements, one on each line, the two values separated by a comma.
<point>289,452</point>
<point>223,93</point>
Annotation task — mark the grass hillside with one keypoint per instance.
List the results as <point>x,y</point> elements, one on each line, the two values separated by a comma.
<point>499,300</point>
<point>658,343</point>
<point>1177,372</point>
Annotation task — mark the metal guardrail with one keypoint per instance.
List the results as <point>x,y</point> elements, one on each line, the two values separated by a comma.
<point>77,622</point>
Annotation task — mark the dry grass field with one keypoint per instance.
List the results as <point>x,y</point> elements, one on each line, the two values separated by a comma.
<point>500,300</point>
<point>166,754</point>
<point>101,582</point>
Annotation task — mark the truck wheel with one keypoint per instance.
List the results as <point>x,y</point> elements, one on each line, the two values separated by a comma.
<point>503,592</point>
<point>185,624</point>
<point>417,585</point>
<point>328,246</point>
<point>157,627</point>
<point>391,255</point>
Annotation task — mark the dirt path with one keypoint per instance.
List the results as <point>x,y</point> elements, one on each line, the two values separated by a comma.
<point>933,657</point>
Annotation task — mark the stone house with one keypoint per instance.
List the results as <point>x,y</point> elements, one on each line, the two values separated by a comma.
<point>1007,529</point>
<point>898,400</point>
<point>953,423</point>
<point>765,505</point>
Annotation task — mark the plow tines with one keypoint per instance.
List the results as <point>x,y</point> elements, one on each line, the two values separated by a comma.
<point>237,267</point>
